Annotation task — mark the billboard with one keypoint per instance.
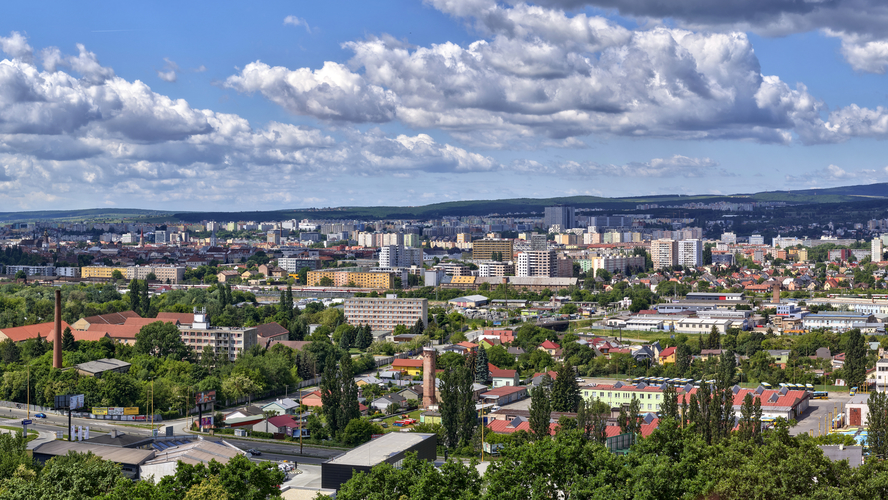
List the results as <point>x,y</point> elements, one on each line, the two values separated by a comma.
<point>131,410</point>
<point>99,411</point>
<point>206,422</point>
<point>69,402</point>
<point>205,397</point>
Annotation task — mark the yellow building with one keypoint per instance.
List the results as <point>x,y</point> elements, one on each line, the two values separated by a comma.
<point>484,249</point>
<point>100,271</point>
<point>349,278</point>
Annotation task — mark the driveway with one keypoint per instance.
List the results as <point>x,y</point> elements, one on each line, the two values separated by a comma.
<point>815,419</point>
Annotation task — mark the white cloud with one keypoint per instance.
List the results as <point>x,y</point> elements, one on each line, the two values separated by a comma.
<point>296,21</point>
<point>169,72</point>
<point>675,166</point>
<point>98,135</point>
<point>16,46</point>
<point>330,93</point>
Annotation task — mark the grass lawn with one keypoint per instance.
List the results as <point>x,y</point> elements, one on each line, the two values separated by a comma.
<point>31,434</point>
<point>398,416</point>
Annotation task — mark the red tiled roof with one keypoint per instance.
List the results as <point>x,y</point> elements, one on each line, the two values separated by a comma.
<point>497,373</point>
<point>140,322</point>
<point>669,351</point>
<point>548,344</point>
<point>22,333</point>
<point>504,391</point>
<point>88,335</point>
<point>116,331</point>
<point>183,318</point>
<point>506,427</point>
<point>407,363</point>
<point>117,318</point>
<point>272,329</point>
<point>786,401</point>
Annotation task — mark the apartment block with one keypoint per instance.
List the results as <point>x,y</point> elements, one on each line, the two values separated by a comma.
<point>399,256</point>
<point>230,340</point>
<point>559,216</point>
<point>484,249</point>
<point>351,278</point>
<point>496,269</point>
<point>100,271</point>
<point>664,253</point>
<point>877,250</point>
<point>164,274</point>
<point>387,313</point>
<point>294,264</point>
<point>32,270</point>
<point>537,264</point>
<point>690,253</point>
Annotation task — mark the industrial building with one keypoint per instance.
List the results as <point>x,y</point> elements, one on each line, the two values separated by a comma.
<point>390,448</point>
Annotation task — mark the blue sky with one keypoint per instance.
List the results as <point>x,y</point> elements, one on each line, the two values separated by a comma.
<point>180,106</point>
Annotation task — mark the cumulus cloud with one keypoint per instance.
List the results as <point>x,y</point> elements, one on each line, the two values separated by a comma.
<point>91,133</point>
<point>296,21</point>
<point>541,76</point>
<point>331,93</point>
<point>16,46</point>
<point>861,24</point>
<point>169,72</point>
<point>833,175</point>
<point>674,166</point>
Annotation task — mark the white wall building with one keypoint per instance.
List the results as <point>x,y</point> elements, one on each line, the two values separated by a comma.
<point>690,253</point>
<point>877,250</point>
<point>536,264</point>
<point>399,256</point>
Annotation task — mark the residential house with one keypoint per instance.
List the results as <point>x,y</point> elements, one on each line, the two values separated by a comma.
<point>412,367</point>
<point>382,403</point>
<point>270,332</point>
<point>312,399</point>
<point>501,378</point>
<point>550,347</point>
<point>667,356</point>
<point>279,424</point>
<point>504,395</point>
<point>412,392</point>
<point>283,406</point>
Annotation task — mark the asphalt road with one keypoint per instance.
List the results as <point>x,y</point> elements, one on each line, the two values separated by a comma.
<point>814,419</point>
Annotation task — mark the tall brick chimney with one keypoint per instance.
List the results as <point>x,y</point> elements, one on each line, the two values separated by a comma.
<point>428,377</point>
<point>57,333</point>
<point>776,291</point>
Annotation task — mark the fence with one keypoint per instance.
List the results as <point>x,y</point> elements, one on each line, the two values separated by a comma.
<point>79,414</point>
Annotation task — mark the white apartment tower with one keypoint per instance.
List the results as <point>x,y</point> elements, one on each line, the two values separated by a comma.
<point>664,253</point>
<point>540,264</point>
<point>690,253</point>
<point>878,250</point>
<point>399,256</point>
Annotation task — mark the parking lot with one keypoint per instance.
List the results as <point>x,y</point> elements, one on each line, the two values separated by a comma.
<point>815,418</point>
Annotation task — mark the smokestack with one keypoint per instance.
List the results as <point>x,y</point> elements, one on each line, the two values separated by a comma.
<point>428,377</point>
<point>776,294</point>
<point>57,334</point>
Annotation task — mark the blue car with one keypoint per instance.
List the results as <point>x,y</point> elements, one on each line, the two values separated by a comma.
<point>40,415</point>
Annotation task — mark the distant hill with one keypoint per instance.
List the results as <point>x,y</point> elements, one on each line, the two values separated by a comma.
<point>873,193</point>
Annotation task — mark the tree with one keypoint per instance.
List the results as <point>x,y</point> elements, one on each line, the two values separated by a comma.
<point>456,400</point>
<point>21,275</point>
<point>326,281</point>
<point>331,396</point>
<point>669,406</point>
<point>630,418</point>
<point>482,370</point>
<point>68,342</point>
<point>855,359</point>
<point>151,277</point>
<point>565,393</point>
<point>161,339</point>
<point>9,351</point>
<point>540,411</point>
<point>116,274</point>
<point>877,419</point>
<point>239,385</point>
<point>415,479</point>
<point>418,328</point>
<point>714,338</point>
<point>134,296</point>
<point>359,430</point>
<point>750,426</point>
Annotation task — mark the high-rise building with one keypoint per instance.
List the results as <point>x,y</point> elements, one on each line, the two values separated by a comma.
<point>537,264</point>
<point>399,256</point>
<point>538,243</point>
<point>664,253</point>
<point>274,237</point>
<point>878,250</point>
<point>160,237</point>
<point>484,249</point>
<point>387,313</point>
<point>690,253</point>
<point>560,216</point>
<point>230,341</point>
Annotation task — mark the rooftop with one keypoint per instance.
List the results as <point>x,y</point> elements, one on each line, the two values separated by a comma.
<point>380,449</point>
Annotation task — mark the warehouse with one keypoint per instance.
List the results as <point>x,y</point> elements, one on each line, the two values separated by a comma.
<point>390,448</point>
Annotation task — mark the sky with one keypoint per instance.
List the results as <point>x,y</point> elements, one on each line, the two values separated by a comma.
<point>295,104</point>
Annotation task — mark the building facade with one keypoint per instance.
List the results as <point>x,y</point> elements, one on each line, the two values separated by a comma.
<point>484,249</point>
<point>664,253</point>
<point>690,253</point>
<point>387,313</point>
<point>537,264</point>
<point>560,216</point>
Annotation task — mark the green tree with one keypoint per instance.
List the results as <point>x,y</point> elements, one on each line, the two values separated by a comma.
<point>326,281</point>
<point>331,396</point>
<point>540,411</point>
<point>358,431</point>
<point>68,342</point>
<point>630,418</point>
<point>239,385</point>
<point>457,406</point>
<point>669,406</point>
<point>161,339</point>
<point>855,359</point>
<point>714,339</point>
<point>135,296</point>
<point>482,370</point>
<point>116,274</point>
<point>877,420</point>
<point>565,394</point>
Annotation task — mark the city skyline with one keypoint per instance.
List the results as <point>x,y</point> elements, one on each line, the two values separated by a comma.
<point>178,107</point>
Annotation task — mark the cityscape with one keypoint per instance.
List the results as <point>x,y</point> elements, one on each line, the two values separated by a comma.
<point>444,249</point>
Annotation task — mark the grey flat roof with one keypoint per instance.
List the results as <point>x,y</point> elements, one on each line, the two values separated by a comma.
<point>102,365</point>
<point>110,453</point>
<point>380,449</point>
